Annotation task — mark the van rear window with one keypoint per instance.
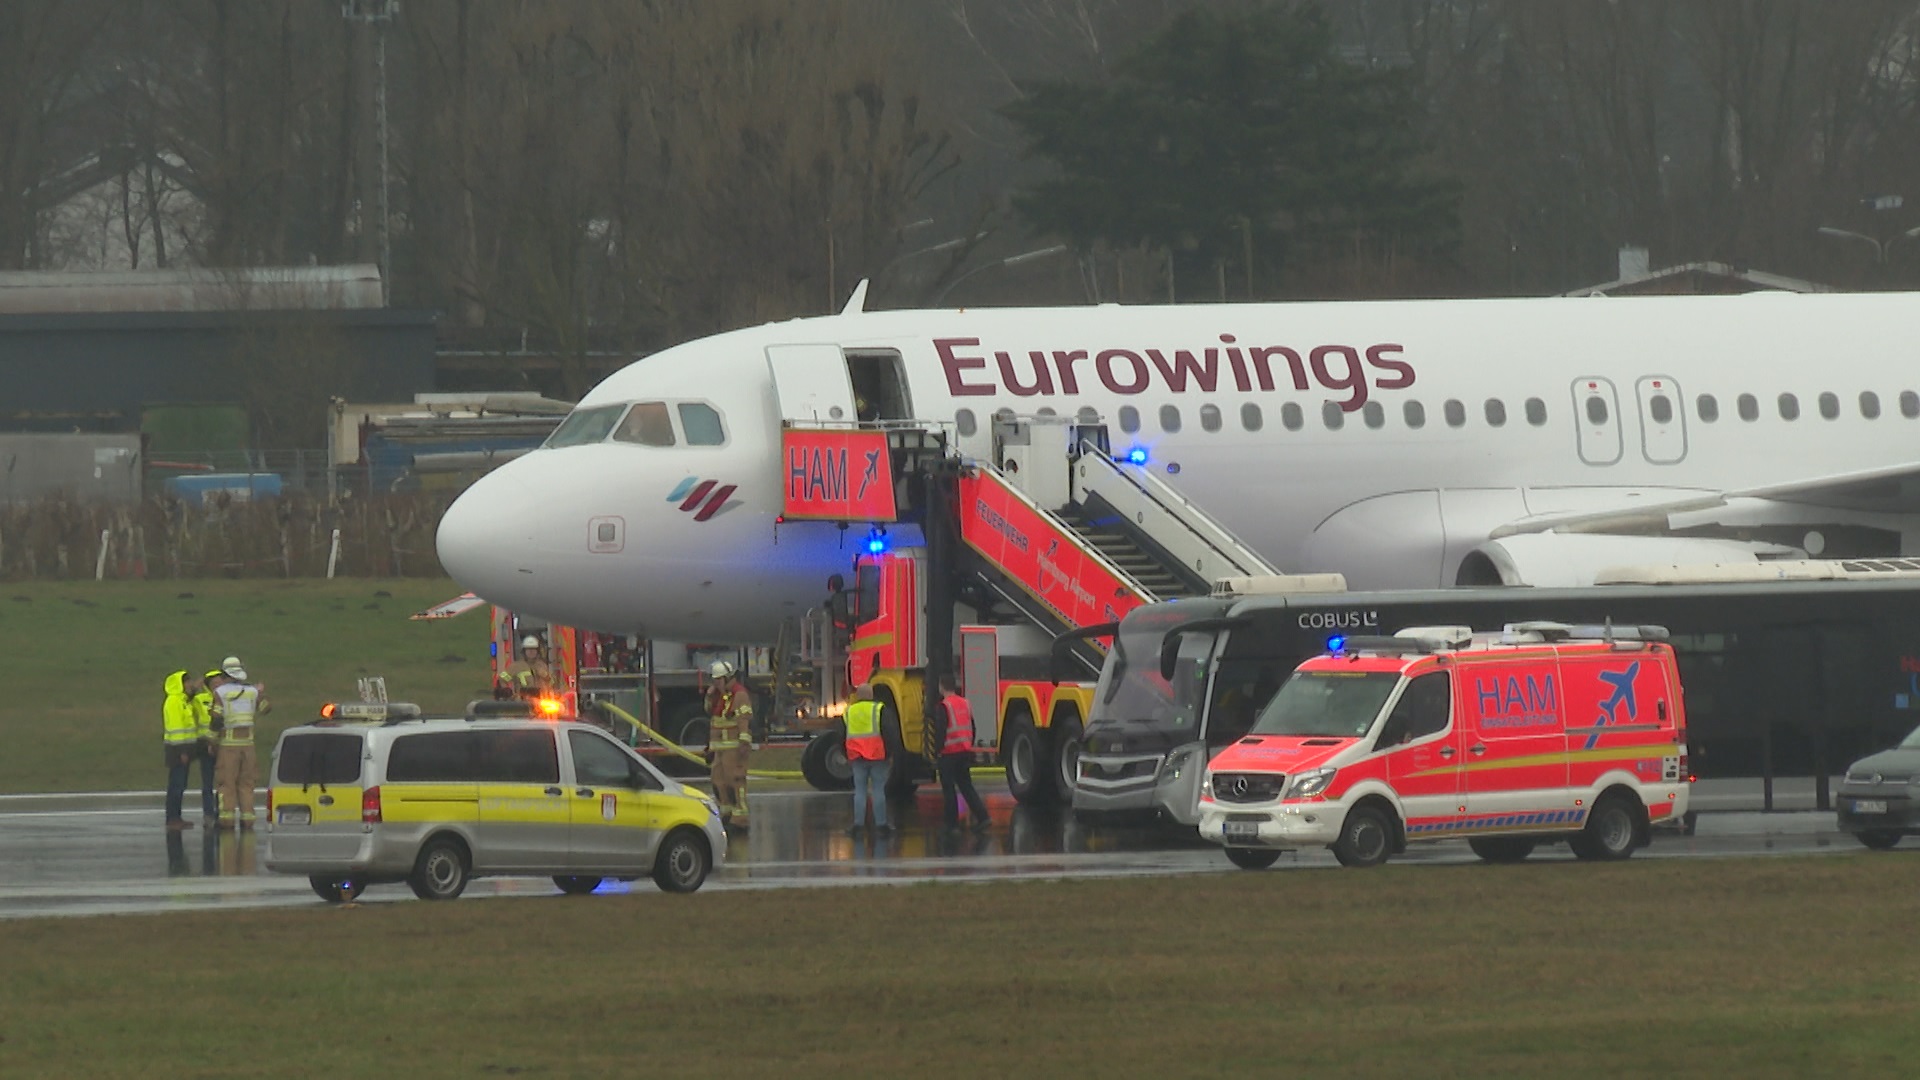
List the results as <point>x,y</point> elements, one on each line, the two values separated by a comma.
<point>320,758</point>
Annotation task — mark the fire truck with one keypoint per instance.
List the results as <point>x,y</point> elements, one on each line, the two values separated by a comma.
<point>1011,573</point>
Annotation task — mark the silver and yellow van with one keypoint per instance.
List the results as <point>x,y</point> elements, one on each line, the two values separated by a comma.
<point>373,794</point>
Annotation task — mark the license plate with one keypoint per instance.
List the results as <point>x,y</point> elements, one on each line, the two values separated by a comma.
<point>296,815</point>
<point>1869,806</point>
<point>1243,830</point>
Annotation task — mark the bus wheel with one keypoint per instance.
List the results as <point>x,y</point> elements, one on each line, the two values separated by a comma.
<point>1365,839</point>
<point>1248,858</point>
<point>1028,764</point>
<point>1066,757</point>
<point>1879,839</point>
<point>824,762</point>
<point>1501,849</point>
<point>1609,833</point>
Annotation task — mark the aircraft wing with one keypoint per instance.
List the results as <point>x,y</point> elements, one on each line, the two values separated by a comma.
<point>447,609</point>
<point>1892,489</point>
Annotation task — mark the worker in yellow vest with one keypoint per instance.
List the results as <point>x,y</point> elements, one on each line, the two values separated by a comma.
<point>867,754</point>
<point>178,741</point>
<point>207,745</point>
<point>236,773</point>
<point>729,741</point>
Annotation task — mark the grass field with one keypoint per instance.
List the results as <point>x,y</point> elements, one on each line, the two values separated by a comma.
<point>1783,967</point>
<point>85,662</point>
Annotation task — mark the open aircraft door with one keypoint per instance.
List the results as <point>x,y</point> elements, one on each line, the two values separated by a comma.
<point>811,385</point>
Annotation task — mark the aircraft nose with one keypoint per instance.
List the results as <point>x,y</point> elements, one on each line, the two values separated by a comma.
<point>484,537</point>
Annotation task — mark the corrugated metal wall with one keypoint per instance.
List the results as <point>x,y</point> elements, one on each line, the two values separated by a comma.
<point>88,468</point>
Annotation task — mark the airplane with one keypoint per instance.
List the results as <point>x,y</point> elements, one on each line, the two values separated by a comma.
<point>1401,443</point>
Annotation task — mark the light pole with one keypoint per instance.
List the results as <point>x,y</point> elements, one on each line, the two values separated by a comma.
<point>1011,260</point>
<point>1880,247</point>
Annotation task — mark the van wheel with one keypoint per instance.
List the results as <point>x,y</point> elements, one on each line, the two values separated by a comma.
<point>576,885</point>
<point>1501,849</point>
<point>440,873</point>
<point>683,862</point>
<point>336,890</point>
<point>1365,839</point>
<point>1879,839</point>
<point>1247,858</point>
<point>1608,836</point>
<point>1029,765</point>
<point>1066,757</point>
<point>824,762</point>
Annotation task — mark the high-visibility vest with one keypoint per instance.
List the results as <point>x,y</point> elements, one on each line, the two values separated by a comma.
<point>863,732</point>
<point>730,715</point>
<point>203,715</point>
<point>959,725</point>
<point>176,716</point>
<point>239,702</point>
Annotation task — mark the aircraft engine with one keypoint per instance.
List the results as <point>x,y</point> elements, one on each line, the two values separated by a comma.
<point>1548,560</point>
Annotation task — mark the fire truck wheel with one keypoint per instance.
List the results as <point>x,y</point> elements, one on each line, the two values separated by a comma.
<point>1247,858</point>
<point>1366,839</point>
<point>824,762</point>
<point>575,884</point>
<point>1501,849</point>
<point>440,873</point>
<point>687,725</point>
<point>1029,765</point>
<point>1066,757</point>
<point>1879,839</point>
<point>1609,834</point>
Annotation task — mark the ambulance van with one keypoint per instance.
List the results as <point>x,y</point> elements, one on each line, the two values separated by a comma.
<point>1540,733</point>
<point>372,794</point>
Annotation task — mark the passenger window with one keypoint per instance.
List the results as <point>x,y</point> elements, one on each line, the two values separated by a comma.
<point>1332,416</point>
<point>1169,418</point>
<point>1046,410</point>
<point>701,424</point>
<point>646,424</point>
<point>1088,415</point>
<point>1789,407</point>
<point>599,763</point>
<point>1456,413</point>
<point>1830,406</point>
<point>1707,407</point>
<point>1660,407</point>
<point>1374,414</point>
<point>1210,417</point>
<point>1496,412</point>
<point>1129,419</point>
<point>516,756</point>
<point>965,423</point>
<point>1596,410</point>
<point>1291,417</point>
<point>1425,708</point>
<point>1909,404</point>
<point>431,756</point>
<point>1536,411</point>
<point>1250,416</point>
<point>1415,413</point>
<point>1869,404</point>
<point>1749,407</point>
<point>583,426</point>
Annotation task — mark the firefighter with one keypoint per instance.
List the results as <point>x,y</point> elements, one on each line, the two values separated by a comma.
<point>236,772</point>
<point>531,676</point>
<point>729,741</point>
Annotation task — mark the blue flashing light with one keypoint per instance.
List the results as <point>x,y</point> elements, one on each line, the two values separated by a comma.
<point>493,650</point>
<point>1137,456</point>
<point>1336,643</point>
<point>876,543</point>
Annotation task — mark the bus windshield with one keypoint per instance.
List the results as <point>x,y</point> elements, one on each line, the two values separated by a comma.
<point>1338,704</point>
<point>1131,688</point>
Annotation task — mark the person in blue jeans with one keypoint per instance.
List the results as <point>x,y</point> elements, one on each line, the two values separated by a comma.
<point>867,754</point>
<point>180,740</point>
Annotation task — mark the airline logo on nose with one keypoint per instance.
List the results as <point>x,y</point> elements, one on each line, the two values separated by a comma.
<point>703,498</point>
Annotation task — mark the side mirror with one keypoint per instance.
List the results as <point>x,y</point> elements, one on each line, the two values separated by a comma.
<point>1062,648</point>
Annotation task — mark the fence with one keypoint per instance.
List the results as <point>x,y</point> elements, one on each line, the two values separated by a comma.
<point>292,536</point>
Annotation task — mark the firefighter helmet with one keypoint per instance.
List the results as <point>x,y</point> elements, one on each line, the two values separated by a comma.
<point>530,642</point>
<point>720,669</point>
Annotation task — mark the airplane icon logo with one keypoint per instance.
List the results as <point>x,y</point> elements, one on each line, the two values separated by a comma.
<point>1622,683</point>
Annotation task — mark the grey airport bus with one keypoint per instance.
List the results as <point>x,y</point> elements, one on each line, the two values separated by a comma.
<point>1782,677</point>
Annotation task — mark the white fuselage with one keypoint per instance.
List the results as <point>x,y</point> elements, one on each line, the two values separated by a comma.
<point>1383,440</point>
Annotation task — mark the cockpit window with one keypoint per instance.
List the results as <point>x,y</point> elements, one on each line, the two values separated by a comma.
<point>646,424</point>
<point>701,422</point>
<point>583,426</point>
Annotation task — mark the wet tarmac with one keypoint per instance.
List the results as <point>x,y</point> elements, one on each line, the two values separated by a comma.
<point>108,854</point>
